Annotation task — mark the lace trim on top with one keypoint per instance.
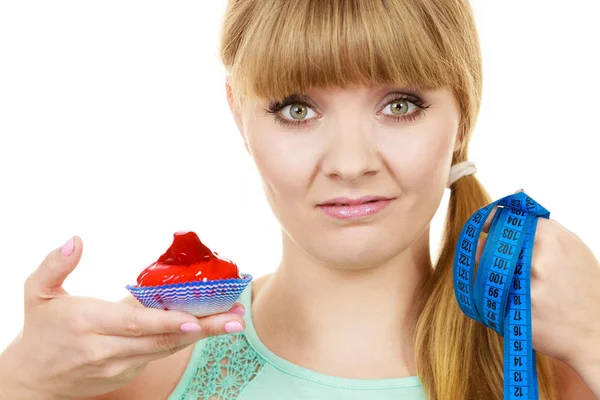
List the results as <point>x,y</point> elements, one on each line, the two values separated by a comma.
<point>227,364</point>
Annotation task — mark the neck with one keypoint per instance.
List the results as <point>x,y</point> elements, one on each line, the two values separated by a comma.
<point>349,323</point>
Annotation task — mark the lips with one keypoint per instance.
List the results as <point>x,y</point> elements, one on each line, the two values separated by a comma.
<point>344,208</point>
<point>345,201</point>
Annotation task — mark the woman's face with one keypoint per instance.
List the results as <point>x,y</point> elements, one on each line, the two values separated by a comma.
<point>354,175</point>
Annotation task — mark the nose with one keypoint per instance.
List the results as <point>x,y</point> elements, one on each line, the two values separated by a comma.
<point>351,154</point>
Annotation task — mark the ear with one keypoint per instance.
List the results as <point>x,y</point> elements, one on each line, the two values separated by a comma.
<point>236,113</point>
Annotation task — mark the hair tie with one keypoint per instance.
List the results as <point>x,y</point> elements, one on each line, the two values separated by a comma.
<point>459,170</point>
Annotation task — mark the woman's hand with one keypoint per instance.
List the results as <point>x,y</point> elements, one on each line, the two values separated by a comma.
<point>565,299</point>
<point>565,296</point>
<point>76,347</point>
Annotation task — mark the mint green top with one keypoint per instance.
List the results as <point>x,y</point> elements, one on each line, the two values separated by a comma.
<point>240,366</point>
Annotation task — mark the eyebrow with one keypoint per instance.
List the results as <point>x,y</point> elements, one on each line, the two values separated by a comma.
<point>293,97</point>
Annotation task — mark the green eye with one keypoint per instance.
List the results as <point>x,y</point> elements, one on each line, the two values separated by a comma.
<point>399,107</point>
<point>298,111</point>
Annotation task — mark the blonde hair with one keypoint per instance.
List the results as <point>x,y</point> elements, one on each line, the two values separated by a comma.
<point>272,48</point>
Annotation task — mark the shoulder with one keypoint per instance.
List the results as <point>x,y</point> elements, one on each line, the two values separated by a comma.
<point>159,378</point>
<point>258,283</point>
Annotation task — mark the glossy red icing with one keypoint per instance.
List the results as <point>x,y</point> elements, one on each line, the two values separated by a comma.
<point>187,260</point>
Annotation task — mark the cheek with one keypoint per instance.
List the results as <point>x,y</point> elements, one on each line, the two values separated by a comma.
<point>420,158</point>
<point>420,163</point>
<point>284,165</point>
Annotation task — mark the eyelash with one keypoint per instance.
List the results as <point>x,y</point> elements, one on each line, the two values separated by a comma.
<point>275,107</point>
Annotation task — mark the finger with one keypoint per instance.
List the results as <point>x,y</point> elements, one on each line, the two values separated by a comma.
<point>213,325</point>
<point>121,319</point>
<point>479,251</point>
<point>488,221</point>
<point>490,218</point>
<point>237,308</point>
<point>46,281</point>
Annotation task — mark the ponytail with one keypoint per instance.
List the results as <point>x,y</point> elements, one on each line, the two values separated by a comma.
<point>457,357</point>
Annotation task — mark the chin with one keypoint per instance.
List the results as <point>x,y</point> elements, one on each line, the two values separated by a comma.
<point>358,252</point>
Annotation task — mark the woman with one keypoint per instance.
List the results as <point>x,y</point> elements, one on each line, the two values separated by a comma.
<point>358,115</point>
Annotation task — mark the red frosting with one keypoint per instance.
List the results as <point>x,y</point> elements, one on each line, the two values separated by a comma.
<point>187,260</point>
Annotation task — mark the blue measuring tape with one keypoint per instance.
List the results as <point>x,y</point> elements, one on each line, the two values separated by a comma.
<point>499,295</point>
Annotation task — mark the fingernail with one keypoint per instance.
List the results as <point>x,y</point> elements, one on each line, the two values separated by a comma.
<point>67,248</point>
<point>233,326</point>
<point>190,327</point>
<point>239,310</point>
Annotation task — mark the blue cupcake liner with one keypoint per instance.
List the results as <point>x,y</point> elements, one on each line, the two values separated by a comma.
<point>197,298</point>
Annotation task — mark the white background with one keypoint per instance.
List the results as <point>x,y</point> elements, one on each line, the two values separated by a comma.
<point>114,125</point>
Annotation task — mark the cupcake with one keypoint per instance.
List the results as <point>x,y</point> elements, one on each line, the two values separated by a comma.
<point>189,277</point>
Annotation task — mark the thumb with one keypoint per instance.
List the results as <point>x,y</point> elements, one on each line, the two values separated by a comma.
<point>47,280</point>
